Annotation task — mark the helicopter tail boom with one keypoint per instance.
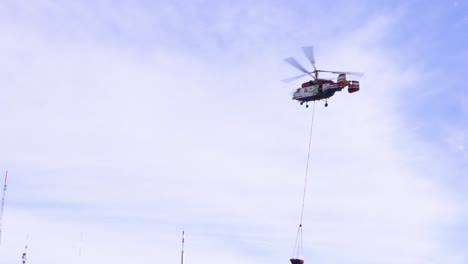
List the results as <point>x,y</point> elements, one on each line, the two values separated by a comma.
<point>353,86</point>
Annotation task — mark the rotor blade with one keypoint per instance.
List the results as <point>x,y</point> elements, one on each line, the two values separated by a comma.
<point>296,64</point>
<point>360,74</point>
<point>309,52</point>
<point>294,78</point>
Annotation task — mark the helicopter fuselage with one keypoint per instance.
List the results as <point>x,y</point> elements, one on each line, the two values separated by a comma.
<point>323,89</point>
<point>316,92</point>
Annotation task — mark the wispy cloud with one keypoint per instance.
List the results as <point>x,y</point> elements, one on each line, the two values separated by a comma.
<point>130,122</point>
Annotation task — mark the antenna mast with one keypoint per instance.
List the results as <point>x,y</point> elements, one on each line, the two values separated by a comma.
<point>182,253</point>
<point>25,250</point>
<point>81,244</point>
<point>3,203</point>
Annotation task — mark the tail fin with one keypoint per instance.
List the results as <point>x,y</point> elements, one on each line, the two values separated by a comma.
<point>341,80</point>
<point>353,86</point>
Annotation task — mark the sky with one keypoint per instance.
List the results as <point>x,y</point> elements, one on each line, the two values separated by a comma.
<point>124,123</point>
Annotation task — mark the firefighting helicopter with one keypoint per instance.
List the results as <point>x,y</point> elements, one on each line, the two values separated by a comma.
<point>319,89</point>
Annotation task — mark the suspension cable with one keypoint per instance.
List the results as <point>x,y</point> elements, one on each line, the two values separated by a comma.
<point>307,166</point>
<point>298,243</point>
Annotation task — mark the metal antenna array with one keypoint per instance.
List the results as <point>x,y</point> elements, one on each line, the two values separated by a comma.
<point>81,244</point>
<point>25,250</point>
<point>3,204</point>
<point>182,253</point>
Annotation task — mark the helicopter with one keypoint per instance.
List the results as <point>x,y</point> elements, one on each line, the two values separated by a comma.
<point>317,88</point>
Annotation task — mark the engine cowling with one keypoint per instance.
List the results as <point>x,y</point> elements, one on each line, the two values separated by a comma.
<point>353,86</point>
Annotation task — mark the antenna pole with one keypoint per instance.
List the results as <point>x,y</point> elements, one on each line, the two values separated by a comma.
<point>25,250</point>
<point>3,204</point>
<point>81,244</point>
<point>182,253</point>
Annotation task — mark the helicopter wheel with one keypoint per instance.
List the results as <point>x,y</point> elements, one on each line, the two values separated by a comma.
<point>307,105</point>
<point>302,103</point>
<point>326,104</point>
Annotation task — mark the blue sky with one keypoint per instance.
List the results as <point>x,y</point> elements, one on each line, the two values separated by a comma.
<point>128,122</point>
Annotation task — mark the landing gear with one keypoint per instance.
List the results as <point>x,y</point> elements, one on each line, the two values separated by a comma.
<point>307,105</point>
<point>302,103</point>
<point>326,103</point>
